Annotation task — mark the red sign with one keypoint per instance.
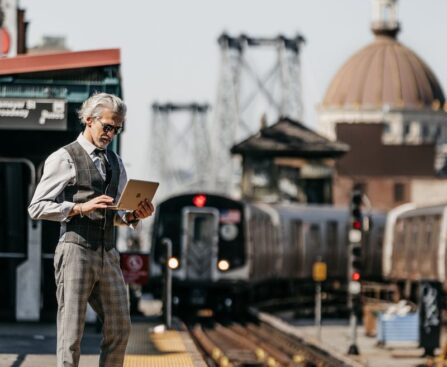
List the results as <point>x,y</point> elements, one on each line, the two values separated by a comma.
<point>135,267</point>
<point>6,40</point>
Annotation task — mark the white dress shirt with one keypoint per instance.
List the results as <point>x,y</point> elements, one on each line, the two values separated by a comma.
<point>59,171</point>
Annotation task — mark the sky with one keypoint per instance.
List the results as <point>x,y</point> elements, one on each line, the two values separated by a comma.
<point>169,48</point>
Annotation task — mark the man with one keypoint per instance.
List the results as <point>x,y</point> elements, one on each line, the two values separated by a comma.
<point>79,182</point>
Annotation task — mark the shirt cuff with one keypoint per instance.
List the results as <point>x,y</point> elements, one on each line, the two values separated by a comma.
<point>66,208</point>
<point>122,215</point>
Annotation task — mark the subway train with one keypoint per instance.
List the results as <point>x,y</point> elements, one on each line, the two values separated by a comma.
<point>414,248</point>
<point>227,252</point>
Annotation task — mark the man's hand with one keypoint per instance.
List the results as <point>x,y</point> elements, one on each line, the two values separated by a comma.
<point>145,209</point>
<point>100,202</point>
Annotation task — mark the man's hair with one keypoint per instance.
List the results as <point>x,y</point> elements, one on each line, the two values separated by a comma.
<point>97,103</point>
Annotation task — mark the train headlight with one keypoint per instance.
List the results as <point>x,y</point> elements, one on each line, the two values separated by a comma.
<point>223,265</point>
<point>173,263</point>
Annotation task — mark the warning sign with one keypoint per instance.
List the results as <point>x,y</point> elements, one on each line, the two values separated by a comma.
<point>135,267</point>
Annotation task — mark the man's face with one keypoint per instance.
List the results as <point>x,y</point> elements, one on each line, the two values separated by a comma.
<point>101,131</point>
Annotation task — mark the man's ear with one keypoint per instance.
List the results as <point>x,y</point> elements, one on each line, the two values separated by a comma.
<point>88,121</point>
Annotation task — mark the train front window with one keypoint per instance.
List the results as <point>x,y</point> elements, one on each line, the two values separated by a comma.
<point>231,237</point>
<point>203,228</point>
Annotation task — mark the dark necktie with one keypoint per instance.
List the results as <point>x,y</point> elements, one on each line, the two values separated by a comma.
<point>104,164</point>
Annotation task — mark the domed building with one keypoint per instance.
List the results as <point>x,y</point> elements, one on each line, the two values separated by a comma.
<point>388,105</point>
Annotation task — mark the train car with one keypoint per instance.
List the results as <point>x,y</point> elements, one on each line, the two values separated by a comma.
<point>208,234</point>
<point>227,252</point>
<point>320,232</point>
<point>415,245</point>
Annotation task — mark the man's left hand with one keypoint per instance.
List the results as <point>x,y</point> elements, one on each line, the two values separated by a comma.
<point>145,209</point>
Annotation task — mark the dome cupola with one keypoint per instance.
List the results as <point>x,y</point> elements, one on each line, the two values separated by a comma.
<point>385,72</point>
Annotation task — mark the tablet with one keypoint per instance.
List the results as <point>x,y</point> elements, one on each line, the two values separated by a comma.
<point>134,192</point>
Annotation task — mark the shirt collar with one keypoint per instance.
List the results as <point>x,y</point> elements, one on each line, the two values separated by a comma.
<point>88,147</point>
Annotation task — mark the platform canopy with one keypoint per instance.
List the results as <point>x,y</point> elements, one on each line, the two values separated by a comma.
<point>289,138</point>
<point>33,63</point>
<point>40,95</point>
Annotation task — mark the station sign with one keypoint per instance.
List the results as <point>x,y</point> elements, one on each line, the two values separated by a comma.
<point>33,114</point>
<point>135,267</point>
<point>319,271</point>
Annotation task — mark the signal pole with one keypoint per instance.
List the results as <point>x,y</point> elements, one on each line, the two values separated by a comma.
<point>355,266</point>
<point>319,274</point>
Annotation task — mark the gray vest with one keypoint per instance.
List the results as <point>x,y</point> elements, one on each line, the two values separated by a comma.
<point>97,228</point>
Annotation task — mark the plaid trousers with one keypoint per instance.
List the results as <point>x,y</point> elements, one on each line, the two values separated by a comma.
<point>90,276</point>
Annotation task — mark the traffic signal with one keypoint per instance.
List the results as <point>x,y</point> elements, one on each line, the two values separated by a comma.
<point>355,244</point>
<point>355,262</point>
<point>356,210</point>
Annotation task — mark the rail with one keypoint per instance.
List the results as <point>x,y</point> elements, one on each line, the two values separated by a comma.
<point>260,344</point>
<point>310,349</point>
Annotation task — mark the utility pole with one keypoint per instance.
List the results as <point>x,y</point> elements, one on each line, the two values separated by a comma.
<point>319,275</point>
<point>167,288</point>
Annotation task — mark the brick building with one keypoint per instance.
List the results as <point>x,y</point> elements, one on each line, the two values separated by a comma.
<point>388,106</point>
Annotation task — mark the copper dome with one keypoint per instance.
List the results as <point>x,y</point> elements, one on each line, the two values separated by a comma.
<point>384,73</point>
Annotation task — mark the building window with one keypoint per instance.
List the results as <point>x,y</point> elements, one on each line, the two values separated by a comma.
<point>406,130</point>
<point>399,192</point>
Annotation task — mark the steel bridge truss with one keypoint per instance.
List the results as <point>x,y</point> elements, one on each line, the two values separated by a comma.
<point>245,94</point>
<point>180,148</point>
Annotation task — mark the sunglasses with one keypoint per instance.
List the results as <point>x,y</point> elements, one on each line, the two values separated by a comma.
<point>108,128</point>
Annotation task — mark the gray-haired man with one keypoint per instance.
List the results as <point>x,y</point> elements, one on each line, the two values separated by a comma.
<point>79,181</point>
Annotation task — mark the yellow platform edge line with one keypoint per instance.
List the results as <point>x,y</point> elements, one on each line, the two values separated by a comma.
<point>169,341</point>
<point>171,360</point>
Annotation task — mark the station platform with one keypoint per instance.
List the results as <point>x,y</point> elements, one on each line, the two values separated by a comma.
<point>152,345</point>
<point>34,345</point>
<point>336,339</point>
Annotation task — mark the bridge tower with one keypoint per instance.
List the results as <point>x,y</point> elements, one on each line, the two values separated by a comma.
<point>245,93</point>
<point>180,147</point>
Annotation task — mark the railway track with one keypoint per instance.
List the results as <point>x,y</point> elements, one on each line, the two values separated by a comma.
<point>257,345</point>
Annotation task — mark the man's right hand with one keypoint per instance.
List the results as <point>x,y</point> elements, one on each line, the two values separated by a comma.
<point>100,202</point>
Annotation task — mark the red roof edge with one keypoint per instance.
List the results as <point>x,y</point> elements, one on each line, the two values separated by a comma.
<point>59,61</point>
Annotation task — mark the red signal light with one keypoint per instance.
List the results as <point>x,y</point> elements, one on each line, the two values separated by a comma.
<point>355,276</point>
<point>357,224</point>
<point>199,200</point>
